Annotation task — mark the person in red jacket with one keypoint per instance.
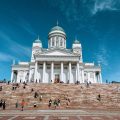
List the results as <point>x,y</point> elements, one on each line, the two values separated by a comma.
<point>22,104</point>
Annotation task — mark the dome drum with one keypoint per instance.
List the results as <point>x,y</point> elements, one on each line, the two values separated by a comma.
<point>57,38</point>
<point>57,35</point>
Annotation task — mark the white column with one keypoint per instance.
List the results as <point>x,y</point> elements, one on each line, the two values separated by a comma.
<point>35,74</point>
<point>70,72</point>
<point>100,76</point>
<point>44,69</point>
<point>55,41</point>
<point>59,41</point>
<point>62,42</point>
<point>62,71</point>
<point>12,76</point>
<point>24,77</point>
<point>51,42</point>
<point>82,76</point>
<point>88,77</point>
<point>65,43</point>
<point>52,71</point>
<point>78,72</point>
<point>94,78</point>
<point>29,74</point>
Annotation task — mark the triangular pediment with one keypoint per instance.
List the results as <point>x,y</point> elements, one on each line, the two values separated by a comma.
<point>57,53</point>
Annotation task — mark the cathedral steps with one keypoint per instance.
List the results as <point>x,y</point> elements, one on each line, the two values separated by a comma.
<point>80,96</point>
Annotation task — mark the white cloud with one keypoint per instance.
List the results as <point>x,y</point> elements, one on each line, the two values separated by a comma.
<point>79,10</point>
<point>6,57</point>
<point>25,25</point>
<point>100,5</point>
<point>20,22</point>
<point>14,47</point>
<point>20,49</point>
<point>69,8</point>
<point>102,56</point>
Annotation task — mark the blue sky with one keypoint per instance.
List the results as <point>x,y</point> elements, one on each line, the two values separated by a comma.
<point>96,23</point>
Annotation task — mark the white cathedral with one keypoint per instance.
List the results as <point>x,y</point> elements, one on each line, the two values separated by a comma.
<point>57,64</point>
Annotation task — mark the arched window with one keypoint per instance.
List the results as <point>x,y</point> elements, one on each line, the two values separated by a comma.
<point>57,41</point>
<point>53,42</point>
<point>61,42</point>
<point>50,44</point>
<point>64,43</point>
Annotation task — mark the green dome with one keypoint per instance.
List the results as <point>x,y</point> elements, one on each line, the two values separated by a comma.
<point>57,28</point>
<point>76,42</point>
<point>37,41</point>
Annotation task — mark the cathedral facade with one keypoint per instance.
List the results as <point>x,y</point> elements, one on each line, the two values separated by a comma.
<point>57,64</point>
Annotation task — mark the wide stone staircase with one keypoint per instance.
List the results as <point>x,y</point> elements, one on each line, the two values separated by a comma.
<point>71,96</point>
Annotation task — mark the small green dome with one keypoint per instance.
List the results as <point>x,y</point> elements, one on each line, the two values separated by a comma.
<point>76,42</point>
<point>38,40</point>
<point>57,28</point>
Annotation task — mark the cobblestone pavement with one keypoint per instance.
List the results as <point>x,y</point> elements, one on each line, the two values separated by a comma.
<point>59,115</point>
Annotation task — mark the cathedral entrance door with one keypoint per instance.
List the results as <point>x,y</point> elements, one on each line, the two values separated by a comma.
<point>57,78</point>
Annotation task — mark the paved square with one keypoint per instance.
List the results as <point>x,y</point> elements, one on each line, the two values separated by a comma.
<point>59,115</point>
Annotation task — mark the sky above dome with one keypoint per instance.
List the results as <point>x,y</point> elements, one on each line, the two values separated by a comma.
<point>95,23</point>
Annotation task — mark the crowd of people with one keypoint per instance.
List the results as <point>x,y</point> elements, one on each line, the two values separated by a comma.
<point>55,103</point>
<point>52,103</point>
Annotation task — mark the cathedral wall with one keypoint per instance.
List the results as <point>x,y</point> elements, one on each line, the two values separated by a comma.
<point>22,76</point>
<point>91,76</point>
